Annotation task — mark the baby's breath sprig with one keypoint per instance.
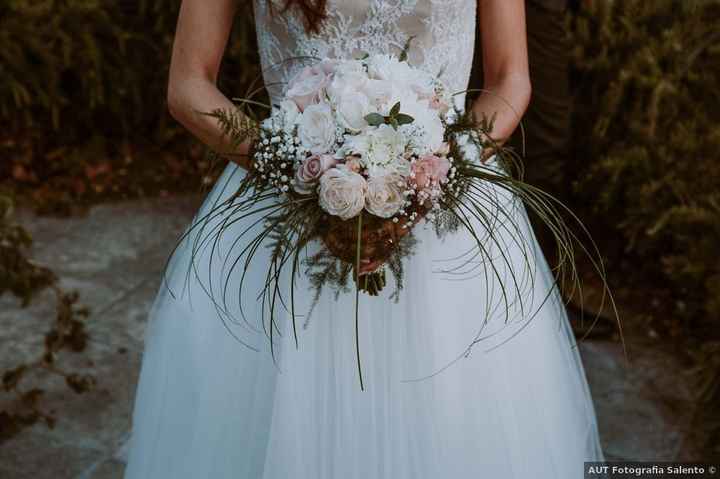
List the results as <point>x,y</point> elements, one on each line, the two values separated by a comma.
<point>275,156</point>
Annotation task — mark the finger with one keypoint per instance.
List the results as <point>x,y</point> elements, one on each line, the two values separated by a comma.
<point>370,267</point>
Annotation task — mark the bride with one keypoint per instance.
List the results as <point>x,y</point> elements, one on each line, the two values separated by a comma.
<point>211,401</point>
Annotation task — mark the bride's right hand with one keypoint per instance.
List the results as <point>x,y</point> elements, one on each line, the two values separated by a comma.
<point>243,155</point>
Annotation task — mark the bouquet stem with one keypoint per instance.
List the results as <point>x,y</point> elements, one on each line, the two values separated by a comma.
<point>357,300</point>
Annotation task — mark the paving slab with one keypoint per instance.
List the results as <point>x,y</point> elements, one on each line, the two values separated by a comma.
<point>114,257</point>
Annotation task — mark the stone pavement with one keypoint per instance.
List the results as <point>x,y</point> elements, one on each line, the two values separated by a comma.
<point>114,257</point>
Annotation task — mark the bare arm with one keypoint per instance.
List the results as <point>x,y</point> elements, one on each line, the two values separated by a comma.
<point>505,64</point>
<point>202,34</point>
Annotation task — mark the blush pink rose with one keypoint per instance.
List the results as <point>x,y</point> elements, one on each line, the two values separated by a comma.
<point>307,86</point>
<point>310,171</point>
<point>428,170</point>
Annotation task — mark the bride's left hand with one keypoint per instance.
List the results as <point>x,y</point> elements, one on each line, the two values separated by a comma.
<point>376,246</point>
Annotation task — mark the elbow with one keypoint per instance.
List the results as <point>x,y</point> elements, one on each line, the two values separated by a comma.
<point>525,92</point>
<point>515,87</point>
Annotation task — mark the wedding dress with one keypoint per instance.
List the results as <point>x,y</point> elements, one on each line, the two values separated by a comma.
<point>211,403</point>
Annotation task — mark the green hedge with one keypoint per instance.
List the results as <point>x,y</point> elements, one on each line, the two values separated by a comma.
<point>82,99</point>
<point>646,146</point>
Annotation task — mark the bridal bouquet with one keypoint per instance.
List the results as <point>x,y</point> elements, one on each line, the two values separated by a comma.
<point>363,140</point>
<point>354,155</point>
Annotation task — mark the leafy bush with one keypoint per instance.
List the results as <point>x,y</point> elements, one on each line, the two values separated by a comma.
<point>647,142</point>
<point>82,99</point>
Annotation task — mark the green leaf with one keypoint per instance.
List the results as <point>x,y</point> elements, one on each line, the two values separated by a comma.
<point>374,119</point>
<point>406,48</point>
<point>403,119</point>
<point>395,109</point>
<point>394,123</point>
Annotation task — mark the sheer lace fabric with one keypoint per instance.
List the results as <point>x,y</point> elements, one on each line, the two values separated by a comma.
<point>514,405</point>
<point>442,36</point>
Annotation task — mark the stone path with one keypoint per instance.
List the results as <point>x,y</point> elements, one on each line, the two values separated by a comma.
<point>114,257</point>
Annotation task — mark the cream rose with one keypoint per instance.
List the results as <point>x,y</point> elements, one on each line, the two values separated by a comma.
<point>385,195</point>
<point>310,171</point>
<point>317,129</point>
<point>342,192</point>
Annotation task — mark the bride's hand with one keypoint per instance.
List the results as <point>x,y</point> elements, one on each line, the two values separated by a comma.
<point>378,240</point>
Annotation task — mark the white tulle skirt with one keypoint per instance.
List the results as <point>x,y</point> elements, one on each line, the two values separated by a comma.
<point>212,403</point>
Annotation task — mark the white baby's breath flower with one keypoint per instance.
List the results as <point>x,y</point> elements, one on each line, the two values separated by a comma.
<point>426,118</point>
<point>290,114</point>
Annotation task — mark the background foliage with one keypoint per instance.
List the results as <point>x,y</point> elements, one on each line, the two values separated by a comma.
<point>646,147</point>
<point>82,104</point>
<point>82,100</point>
<point>645,173</point>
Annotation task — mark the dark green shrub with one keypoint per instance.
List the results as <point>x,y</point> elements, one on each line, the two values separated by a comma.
<point>82,99</point>
<point>647,144</point>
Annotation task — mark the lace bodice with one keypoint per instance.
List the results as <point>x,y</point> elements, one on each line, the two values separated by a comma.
<point>443,34</point>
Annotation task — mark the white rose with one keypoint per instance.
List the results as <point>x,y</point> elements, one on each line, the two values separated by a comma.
<point>380,93</point>
<point>351,107</point>
<point>348,67</point>
<point>342,192</point>
<point>385,195</point>
<point>317,129</point>
<point>388,67</point>
<point>306,87</point>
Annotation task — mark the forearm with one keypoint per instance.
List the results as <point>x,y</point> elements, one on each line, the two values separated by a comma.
<point>189,100</point>
<point>507,99</point>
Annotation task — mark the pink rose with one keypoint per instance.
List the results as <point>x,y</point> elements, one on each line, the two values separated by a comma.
<point>429,170</point>
<point>310,171</point>
<point>307,85</point>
